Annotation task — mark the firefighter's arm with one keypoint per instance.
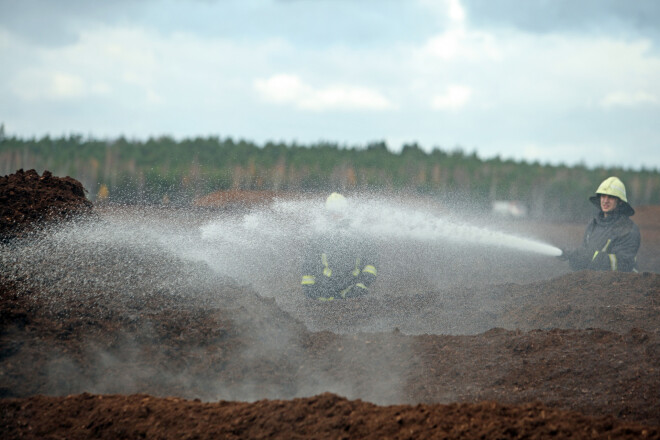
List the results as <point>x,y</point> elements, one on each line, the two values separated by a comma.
<point>318,281</point>
<point>309,287</point>
<point>367,275</point>
<point>578,259</point>
<point>364,279</point>
<point>626,251</point>
<point>618,254</point>
<point>318,287</point>
<point>312,278</point>
<point>368,272</point>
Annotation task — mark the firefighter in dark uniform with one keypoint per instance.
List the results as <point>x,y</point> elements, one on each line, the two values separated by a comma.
<point>611,240</point>
<point>338,265</point>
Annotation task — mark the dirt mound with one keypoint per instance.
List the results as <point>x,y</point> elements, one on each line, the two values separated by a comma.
<point>326,416</point>
<point>238,346</point>
<point>26,198</point>
<point>611,300</point>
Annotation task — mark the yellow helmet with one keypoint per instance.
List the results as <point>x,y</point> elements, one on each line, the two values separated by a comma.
<point>613,186</point>
<point>336,203</point>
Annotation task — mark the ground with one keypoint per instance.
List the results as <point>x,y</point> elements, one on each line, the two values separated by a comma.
<point>545,354</point>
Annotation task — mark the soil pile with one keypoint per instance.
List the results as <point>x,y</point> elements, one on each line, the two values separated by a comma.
<point>26,197</point>
<point>615,301</point>
<point>326,416</point>
<point>575,356</point>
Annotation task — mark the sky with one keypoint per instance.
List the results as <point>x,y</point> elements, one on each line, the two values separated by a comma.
<point>554,81</point>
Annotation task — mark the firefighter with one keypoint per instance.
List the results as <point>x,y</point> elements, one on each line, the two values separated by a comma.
<point>611,240</point>
<point>338,265</point>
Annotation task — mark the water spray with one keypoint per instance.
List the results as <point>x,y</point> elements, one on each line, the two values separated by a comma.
<point>388,220</point>
<point>185,254</point>
<point>382,220</point>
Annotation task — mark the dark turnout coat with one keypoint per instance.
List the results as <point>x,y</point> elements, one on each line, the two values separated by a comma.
<point>610,243</point>
<point>338,265</point>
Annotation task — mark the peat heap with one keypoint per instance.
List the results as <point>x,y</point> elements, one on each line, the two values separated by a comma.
<point>27,199</point>
<point>326,416</point>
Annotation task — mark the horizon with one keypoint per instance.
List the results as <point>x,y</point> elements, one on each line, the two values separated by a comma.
<point>456,150</point>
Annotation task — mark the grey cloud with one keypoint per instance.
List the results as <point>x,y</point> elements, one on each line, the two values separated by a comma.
<point>542,16</point>
<point>308,23</point>
<point>57,23</point>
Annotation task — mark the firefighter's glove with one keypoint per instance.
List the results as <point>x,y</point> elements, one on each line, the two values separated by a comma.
<point>565,254</point>
<point>579,259</point>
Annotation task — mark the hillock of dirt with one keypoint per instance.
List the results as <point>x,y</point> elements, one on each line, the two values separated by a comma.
<point>26,198</point>
<point>325,416</point>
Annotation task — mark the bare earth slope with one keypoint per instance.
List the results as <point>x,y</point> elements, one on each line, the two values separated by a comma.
<point>578,358</point>
<point>326,416</point>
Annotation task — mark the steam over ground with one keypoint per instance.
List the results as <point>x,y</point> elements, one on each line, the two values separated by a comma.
<point>183,256</point>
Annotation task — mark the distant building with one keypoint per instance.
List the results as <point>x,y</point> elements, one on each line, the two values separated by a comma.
<point>509,208</point>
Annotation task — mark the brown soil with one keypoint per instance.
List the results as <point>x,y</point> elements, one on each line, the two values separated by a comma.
<point>26,197</point>
<point>325,416</point>
<point>575,355</point>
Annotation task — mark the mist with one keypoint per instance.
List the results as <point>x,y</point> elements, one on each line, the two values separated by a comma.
<point>238,272</point>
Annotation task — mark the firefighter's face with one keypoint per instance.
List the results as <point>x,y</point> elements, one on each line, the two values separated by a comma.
<point>608,203</point>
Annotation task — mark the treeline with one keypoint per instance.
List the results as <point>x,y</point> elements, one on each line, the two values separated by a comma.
<point>162,169</point>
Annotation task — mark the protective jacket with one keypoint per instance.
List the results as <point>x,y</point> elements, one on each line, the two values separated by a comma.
<point>610,243</point>
<point>338,266</point>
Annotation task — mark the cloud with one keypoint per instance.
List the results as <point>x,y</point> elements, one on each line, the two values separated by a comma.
<point>539,16</point>
<point>213,69</point>
<point>57,86</point>
<point>290,90</point>
<point>59,23</point>
<point>456,97</point>
<point>627,99</point>
<point>445,46</point>
<point>460,44</point>
<point>456,11</point>
<point>66,86</point>
<point>528,72</point>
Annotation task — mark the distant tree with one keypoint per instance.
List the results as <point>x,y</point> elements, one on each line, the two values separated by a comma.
<point>132,170</point>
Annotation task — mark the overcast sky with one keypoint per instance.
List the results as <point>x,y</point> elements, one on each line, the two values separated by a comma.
<point>561,81</point>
